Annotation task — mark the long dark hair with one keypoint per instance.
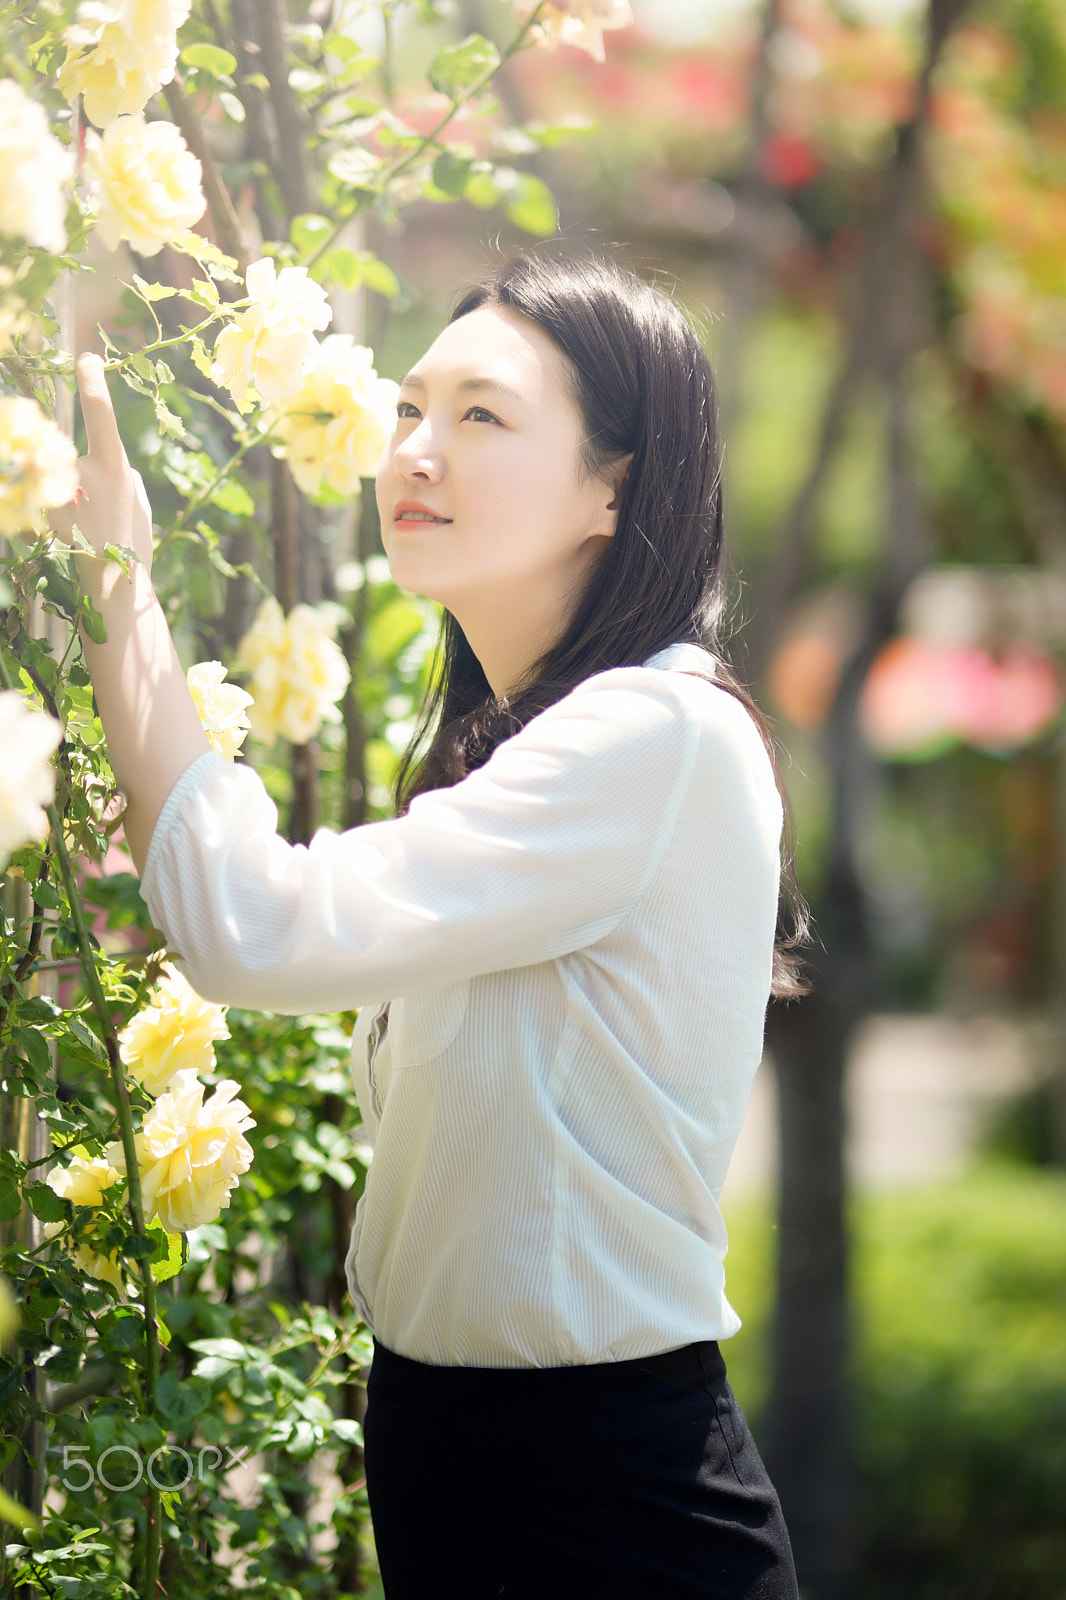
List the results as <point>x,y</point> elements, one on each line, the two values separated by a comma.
<point>644,387</point>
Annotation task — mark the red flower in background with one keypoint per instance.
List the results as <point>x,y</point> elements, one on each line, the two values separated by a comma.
<point>919,699</point>
<point>788,161</point>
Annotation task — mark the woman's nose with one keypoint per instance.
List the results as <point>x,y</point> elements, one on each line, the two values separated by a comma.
<point>418,455</point>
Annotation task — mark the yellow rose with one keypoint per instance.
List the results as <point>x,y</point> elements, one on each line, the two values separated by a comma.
<point>37,464</point>
<point>96,1265</point>
<point>334,428</point>
<point>175,1032</point>
<point>83,1180</point>
<point>147,182</point>
<point>581,23</point>
<point>191,1153</point>
<point>37,172</point>
<point>120,53</point>
<point>221,707</point>
<point>27,778</point>
<point>260,356</point>
<point>9,1312</point>
<point>298,673</point>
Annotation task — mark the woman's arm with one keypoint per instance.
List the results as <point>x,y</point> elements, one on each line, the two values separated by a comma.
<point>152,728</point>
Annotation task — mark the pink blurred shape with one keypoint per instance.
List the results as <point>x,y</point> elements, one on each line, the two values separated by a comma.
<point>920,698</point>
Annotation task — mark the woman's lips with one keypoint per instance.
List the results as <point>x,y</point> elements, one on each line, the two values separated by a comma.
<point>413,512</point>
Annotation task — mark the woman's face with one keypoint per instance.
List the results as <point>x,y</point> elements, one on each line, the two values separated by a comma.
<point>485,503</point>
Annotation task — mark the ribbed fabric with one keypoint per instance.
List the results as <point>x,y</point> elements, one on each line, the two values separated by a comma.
<point>563,964</point>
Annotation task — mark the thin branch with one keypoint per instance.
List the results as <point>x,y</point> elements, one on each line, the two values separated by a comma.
<point>879,286</point>
<point>292,174</point>
<point>230,232</point>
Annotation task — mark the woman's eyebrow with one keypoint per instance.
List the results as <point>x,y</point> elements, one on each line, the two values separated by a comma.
<point>466,386</point>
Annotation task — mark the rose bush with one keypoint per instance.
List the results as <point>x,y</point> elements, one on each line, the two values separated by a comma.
<point>37,172</point>
<point>581,23</point>
<point>176,1032</point>
<point>260,355</point>
<point>27,777</point>
<point>120,54</point>
<point>334,427</point>
<point>147,183</point>
<point>254,437</point>
<point>36,464</point>
<point>297,671</point>
<point>222,707</point>
<point>191,1152</point>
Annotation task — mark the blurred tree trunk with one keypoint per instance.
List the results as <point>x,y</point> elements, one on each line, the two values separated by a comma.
<point>807,1435</point>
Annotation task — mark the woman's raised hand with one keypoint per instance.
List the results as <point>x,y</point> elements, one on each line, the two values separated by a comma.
<point>111,506</point>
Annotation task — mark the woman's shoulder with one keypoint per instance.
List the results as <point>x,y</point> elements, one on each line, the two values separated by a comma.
<point>683,678</point>
<point>680,686</point>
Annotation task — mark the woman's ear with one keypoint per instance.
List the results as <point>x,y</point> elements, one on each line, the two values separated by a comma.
<point>615,477</point>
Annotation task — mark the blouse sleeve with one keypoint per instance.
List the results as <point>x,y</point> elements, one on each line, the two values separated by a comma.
<point>541,851</point>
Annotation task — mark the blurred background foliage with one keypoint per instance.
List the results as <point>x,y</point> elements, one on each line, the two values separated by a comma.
<point>864,208</point>
<point>863,205</point>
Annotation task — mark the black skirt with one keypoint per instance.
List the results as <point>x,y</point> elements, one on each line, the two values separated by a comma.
<point>631,1480</point>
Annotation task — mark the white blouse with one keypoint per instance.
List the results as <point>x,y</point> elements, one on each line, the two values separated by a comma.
<point>563,963</point>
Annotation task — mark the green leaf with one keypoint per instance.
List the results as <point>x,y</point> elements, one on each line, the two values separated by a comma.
<point>177,1402</point>
<point>482,189</point>
<point>304,80</point>
<point>350,1432</point>
<point>231,105</point>
<point>550,134</point>
<point>343,47</point>
<point>460,66</point>
<point>172,1254</point>
<point>86,1039</point>
<point>531,205</point>
<point>46,1205</point>
<point>133,381</point>
<point>91,620</point>
<point>200,358</point>
<point>170,426</point>
<point>233,497</point>
<point>210,58</point>
<point>203,291</point>
<point>220,564</point>
<point>123,1331</point>
<point>121,555</point>
<point>343,267</point>
<point>11,1511</point>
<point>10,1201</point>
<point>226,1349</point>
<point>354,167</point>
<point>34,1047</point>
<point>308,230</point>
<point>450,172</point>
<point>379,277</point>
<point>152,291</point>
<point>392,630</point>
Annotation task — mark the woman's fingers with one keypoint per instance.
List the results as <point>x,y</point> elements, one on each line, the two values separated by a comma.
<point>101,429</point>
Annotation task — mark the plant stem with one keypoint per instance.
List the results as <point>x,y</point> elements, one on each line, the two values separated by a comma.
<point>220,477</point>
<point>133,1177</point>
<point>430,138</point>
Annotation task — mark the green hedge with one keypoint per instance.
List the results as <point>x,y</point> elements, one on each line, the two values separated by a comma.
<point>960,1381</point>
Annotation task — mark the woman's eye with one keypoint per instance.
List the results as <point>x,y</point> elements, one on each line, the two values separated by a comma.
<point>479,414</point>
<point>404,408</point>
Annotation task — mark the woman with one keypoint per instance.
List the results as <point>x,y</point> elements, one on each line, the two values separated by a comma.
<point>562,949</point>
